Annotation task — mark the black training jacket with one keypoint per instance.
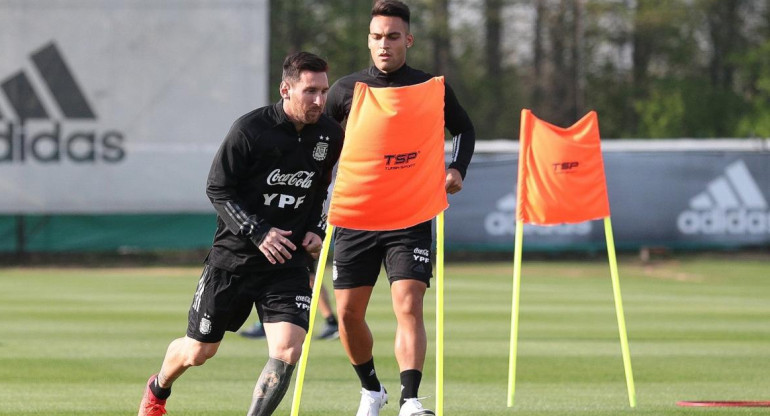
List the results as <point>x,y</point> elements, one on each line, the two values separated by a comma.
<point>266,174</point>
<point>456,120</point>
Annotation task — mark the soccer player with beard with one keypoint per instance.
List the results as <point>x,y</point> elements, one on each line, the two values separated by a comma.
<point>268,183</point>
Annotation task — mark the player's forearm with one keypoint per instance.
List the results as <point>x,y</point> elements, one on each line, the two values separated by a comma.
<point>463,133</point>
<point>317,225</point>
<point>463,145</point>
<point>316,221</point>
<point>241,222</point>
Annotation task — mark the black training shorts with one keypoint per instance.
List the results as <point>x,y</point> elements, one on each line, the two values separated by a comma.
<point>312,265</point>
<point>223,300</point>
<point>358,255</point>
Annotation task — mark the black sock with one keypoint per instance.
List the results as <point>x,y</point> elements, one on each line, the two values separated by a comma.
<point>158,391</point>
<point>331,320</point>
<point>367,375</point>
<point>410,383</point>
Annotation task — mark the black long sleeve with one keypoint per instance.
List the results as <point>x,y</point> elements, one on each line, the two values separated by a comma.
<point>266,174</point>
<point>228,170</point>
<point>463,133</point>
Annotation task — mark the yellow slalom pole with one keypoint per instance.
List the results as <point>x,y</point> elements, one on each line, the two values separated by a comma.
<point>319,277</point>
<point>519,239</point>
<point>440,314</point>
<point>619,311</point>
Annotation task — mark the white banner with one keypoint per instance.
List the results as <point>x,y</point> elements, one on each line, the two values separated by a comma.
<point>119,106</point>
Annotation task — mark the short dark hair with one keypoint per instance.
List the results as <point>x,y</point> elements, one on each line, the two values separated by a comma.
<point>393,8</point>
<point>297,62</point>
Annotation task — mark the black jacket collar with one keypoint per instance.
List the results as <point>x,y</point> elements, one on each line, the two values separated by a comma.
<point>400,72</point>
<point>279,114</point>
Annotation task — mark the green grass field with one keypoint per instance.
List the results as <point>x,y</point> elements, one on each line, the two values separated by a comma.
<point>83,342</point>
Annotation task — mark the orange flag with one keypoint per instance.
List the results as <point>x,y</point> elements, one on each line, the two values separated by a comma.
<point>561,172</point>
<point>391,172</point>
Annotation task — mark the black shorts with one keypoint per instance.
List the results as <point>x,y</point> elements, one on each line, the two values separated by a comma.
<point>312,265</point>
<point>358,255</point>
<point>223,300</point>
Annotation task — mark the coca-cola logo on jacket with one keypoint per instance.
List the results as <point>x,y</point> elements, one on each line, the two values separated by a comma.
<point>302,179</point>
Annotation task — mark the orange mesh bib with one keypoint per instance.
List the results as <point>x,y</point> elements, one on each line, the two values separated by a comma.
<point>561,172</point>
<point>391,172</point>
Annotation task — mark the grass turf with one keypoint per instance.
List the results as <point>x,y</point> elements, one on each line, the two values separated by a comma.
<point>83,342</point>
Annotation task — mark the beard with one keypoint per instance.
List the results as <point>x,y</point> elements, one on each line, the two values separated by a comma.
<point>303,113</point>
<point>311,116</point>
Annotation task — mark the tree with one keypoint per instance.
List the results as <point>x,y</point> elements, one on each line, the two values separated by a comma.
<point>557,95</point>
<point>440,39</point>
<point>538,93</point>
<point>493,55</point>
<point>753,78</point>
<point>724,22</point>
<point>333,29</point>
<point>651,68</point>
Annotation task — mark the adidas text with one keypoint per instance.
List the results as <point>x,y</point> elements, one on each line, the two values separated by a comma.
<point>18,144</point>
<point>740,221</point>
<point>731,204</point>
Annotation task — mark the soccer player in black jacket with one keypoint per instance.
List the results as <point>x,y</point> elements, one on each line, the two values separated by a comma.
<point>358,254</point>
<point>268,183</point>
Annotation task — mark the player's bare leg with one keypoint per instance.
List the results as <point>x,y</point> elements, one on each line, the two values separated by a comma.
<point>355,335</point>
<point>324,305</point>
<point>284,341</point>
<point>182,353</point>
<point>356,338</point>
<point>411,341</point>
<point>331,330</point>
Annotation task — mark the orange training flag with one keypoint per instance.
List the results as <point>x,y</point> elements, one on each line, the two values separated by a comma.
<point>391,172</point>
<point>561,172</point>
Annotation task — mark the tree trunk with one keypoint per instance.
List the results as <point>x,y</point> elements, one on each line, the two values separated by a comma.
<point>493,55</point>
<point>440,38</point>
<point>642,42</point>
<point>493,32</point>
<point>724,22</point>
<point>295,34</point>
<point>559,97</point>
<point>642,45</point>
<point>577,60</point>
<point>538,94</point>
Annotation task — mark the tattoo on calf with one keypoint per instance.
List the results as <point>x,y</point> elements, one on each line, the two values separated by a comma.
<point>267,381</point>
<point>271,387</point>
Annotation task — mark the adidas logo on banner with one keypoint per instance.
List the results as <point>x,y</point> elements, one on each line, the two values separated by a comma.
<point>34,133</point>
<point>503,222</point>
<point>731,204</point>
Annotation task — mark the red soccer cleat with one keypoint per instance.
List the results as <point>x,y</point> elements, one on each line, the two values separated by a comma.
<point>151,405</point>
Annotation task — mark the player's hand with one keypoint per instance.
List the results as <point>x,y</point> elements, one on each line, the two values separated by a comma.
<point>276,246</point>
<point>454,181</point>
<point>312,243</point>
